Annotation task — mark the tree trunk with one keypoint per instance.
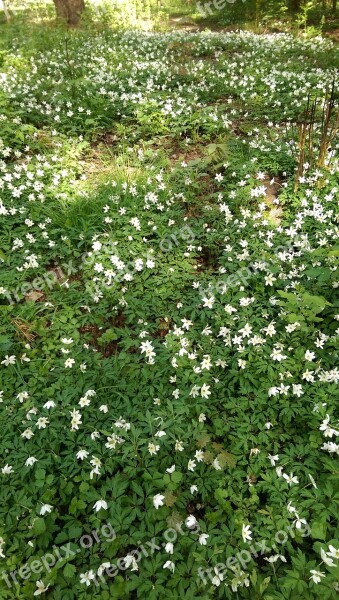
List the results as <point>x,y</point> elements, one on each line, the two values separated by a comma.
<point>5,9</point>
<point>334,6</point>
<point>294,6</point>
<point>69,10</point>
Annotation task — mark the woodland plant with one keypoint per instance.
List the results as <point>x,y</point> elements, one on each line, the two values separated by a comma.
<point>169,318</point>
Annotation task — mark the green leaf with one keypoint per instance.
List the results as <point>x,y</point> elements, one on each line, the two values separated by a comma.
<point>176,476</point>
<point>69,571</point>
<point>318,530</point>
<point>39,526</point>
<point>40,474</point>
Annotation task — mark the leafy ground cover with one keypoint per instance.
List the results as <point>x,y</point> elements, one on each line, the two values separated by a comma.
<point>169,317</point>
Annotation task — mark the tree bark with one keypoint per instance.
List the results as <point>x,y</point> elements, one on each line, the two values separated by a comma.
<point>294,6</point>
<point>5,9</point>
<point>70,10</point>
<point>334,6</point>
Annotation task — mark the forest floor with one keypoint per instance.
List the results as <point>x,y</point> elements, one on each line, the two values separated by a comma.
<point>168,315</point>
